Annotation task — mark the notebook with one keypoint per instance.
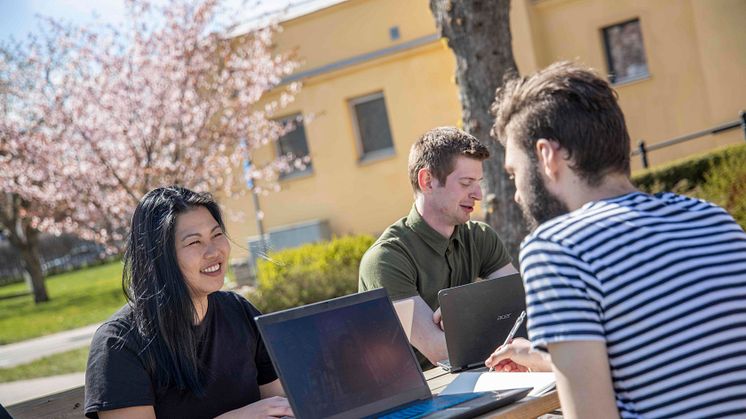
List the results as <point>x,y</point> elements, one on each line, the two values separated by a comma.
<point>349,357</point>
<point>466,382</point>
<point>477,318</point>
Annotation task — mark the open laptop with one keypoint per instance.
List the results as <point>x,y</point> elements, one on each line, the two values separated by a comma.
<point>477,318</point>
<point>349,358</point>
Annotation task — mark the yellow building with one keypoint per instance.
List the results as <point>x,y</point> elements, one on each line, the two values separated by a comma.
<point>376,75</point>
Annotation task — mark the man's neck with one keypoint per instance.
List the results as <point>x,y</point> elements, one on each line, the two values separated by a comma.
<point>611,186</point>
<point>432,218</point>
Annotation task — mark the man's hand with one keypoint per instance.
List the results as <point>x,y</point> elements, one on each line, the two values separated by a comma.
<point>438,318</point>
<point>517,356</point>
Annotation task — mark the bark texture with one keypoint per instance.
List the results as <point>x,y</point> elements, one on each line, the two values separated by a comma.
<point>478,33</point>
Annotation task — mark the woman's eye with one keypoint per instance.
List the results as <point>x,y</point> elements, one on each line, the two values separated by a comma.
<point>194,242</point>
<point>218,234</point>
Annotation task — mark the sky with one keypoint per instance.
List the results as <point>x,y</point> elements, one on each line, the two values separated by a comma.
<point>17,17</point>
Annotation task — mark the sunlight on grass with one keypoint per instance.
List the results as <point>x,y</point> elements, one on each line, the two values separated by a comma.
<point>77,299</point>
<point>63,363</point>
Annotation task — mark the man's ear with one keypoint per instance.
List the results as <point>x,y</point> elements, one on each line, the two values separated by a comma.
<point>425,179</point>
<point>549,155</point>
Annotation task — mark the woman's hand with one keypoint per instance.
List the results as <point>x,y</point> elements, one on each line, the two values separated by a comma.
<point>517,356</point>
<point>271,407</point>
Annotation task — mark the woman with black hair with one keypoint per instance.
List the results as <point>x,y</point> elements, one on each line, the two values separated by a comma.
<point>180,348</point>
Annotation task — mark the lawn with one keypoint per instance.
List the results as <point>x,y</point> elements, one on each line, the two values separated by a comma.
<point>62,363</point>
<point>76,299</point>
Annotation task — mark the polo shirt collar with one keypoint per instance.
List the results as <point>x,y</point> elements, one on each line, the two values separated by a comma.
<point>428,234</point>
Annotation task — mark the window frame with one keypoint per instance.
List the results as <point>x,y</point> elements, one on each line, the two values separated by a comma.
<point>376,155</point>
<point>296,173</point>
<point>613,78</point>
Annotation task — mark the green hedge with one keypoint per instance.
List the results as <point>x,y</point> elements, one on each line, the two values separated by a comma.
<point>718,176</point>
<point>684,175</point>
<point>309,273</point>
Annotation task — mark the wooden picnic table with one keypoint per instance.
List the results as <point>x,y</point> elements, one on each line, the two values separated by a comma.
<point>69,403</point>
<point>62,405</point>
<point>529,407</point>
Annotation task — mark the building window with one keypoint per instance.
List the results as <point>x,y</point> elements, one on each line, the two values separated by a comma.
<point>372,126</point>
<point>294,145</point>
<point>625,52</point>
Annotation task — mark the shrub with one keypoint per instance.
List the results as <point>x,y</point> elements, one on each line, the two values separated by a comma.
<point>725,185</point>
<point>718,177</point>
<point>309,273</point>
<point>684,175</point>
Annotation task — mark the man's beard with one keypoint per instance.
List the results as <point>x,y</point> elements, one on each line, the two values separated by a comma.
<point>540,205</point>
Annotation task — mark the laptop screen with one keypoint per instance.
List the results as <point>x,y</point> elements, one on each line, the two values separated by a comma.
<point>344,357</point>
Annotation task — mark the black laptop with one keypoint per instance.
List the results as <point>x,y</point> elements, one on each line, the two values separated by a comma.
<point>477,318</point>
<point>349,358</point>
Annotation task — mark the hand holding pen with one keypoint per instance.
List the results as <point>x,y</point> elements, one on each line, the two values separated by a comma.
<point>513,331</point>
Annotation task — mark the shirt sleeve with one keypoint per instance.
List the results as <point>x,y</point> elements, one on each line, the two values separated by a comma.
<point>265,370</point>
<point>115,377</point>
<point>563,297</point>
<point>494,254</point>
<point>386,266</point>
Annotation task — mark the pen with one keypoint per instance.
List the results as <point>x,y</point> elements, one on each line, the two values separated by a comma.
<point>513,331</point>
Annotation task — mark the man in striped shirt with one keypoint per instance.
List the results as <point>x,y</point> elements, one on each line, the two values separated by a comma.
<point>639,299</point>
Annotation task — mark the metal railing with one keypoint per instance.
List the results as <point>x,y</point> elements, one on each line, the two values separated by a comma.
<point>643,149</point>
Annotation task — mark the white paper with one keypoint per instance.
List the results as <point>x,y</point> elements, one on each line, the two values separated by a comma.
<point>469,382</point>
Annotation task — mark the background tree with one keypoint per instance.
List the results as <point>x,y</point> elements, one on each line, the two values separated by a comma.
<point>478,32</point>
<point>38,177</point>
<point>170,98</point>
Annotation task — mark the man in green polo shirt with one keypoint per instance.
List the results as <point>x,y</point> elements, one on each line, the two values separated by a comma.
<point>436,246</point>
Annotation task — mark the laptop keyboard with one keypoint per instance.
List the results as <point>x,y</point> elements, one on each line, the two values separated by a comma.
<point>426,407</point>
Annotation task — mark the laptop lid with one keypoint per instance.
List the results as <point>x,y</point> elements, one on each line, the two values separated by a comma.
<point>477,318</point>
<point>342,358</point>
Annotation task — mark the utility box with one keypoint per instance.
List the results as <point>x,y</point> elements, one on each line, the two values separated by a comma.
<point>284,237</point>
<point>243,272</point>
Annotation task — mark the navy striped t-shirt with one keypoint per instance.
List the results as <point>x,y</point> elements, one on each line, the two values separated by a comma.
<point>662,280</point>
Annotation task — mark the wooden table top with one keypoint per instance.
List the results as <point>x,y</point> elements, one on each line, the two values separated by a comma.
<point>68,404</point>
<point>529,407</point>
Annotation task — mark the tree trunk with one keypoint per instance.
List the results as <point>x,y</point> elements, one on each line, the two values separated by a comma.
<point>478,32</point>
<point>32,262</point>
<point>25,239</point>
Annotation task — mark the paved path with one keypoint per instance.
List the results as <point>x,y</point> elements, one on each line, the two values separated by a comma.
<point>18,391</point>
<point>33,349</point>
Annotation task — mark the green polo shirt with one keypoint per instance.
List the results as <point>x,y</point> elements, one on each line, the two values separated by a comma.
<point>411,258</point>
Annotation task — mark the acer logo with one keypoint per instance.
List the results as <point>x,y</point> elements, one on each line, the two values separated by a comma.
<point>504,316</point>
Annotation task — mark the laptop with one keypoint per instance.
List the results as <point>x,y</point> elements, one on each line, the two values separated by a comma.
<point>349,358</point>
<point>477,318</point>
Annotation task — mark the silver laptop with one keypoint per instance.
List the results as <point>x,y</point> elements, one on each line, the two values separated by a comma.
<point>349,358</point>
<point>477,318</point>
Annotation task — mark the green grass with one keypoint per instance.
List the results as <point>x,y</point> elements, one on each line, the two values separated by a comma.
<point>62,363</point>
<point>76,299</point>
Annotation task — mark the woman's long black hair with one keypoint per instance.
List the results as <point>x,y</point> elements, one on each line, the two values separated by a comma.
<point>163,311</point>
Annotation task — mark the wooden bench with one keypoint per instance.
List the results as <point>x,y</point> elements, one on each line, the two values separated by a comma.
<point>66,404</point>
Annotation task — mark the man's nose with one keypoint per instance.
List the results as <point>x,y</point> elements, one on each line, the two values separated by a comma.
<point>477,193</point>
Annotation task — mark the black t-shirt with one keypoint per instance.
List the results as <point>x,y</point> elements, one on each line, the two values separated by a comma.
<point>231,348</point>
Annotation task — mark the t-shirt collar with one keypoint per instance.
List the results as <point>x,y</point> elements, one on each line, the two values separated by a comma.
<point>428,234</point>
